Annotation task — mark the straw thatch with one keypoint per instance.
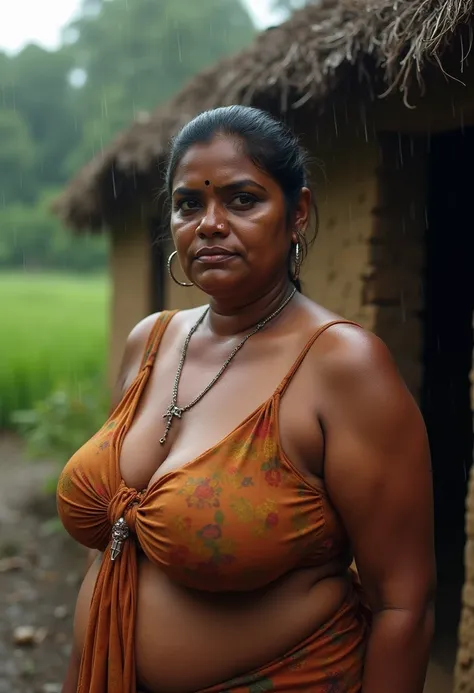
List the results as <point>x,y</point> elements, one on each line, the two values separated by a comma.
<point>296,64</point>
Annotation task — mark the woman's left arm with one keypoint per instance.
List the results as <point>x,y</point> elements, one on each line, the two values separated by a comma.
<point>378,474</point>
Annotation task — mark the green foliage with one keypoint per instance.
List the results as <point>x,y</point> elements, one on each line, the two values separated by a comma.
<point>55,427</point>
<point>17,158</point>
<point>137,53</point>
<point>54,332</point>
<point>34,86</point>
<point>133,54</point>
<point>31,239</point>
<point>39,89</point>
<point>149,46</point>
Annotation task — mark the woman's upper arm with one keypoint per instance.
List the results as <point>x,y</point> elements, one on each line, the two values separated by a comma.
<point>131,358</point>
<point>378,471</point>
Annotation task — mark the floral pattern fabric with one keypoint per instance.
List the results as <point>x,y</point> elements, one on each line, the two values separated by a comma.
<point>236,518</point>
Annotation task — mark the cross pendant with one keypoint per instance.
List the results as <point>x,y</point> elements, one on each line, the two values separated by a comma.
<point>172,411</point>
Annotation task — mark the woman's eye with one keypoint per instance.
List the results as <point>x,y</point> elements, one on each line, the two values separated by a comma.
<point>187,205</point>
<point>244,199</point>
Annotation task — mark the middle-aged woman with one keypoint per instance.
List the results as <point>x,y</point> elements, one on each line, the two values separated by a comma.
<point>255,446</point>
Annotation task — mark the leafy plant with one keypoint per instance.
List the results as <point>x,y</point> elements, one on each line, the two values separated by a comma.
<point>60,424</point>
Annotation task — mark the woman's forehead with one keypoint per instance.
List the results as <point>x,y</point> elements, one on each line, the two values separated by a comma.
<point>216,161</point>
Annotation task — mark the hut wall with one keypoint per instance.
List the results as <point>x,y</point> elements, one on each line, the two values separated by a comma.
<point>464,670</point>
<point>368,260</point>
<point>130,262</point>
<point>393,285</point>
<point>345,187</point>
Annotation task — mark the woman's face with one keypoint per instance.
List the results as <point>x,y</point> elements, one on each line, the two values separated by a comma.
<point>229,220</point>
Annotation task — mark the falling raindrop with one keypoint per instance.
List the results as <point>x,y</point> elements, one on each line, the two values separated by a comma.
<point>364,123</point>
<point>113,182</point>
<point>400,149</point>
<point>178,42</point>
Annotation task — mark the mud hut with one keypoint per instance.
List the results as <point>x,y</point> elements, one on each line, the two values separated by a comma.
<point>382,94</point>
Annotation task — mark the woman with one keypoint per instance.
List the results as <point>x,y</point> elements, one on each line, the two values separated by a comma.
<point>255,447</point>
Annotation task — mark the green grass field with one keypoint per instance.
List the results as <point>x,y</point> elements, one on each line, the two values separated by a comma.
<point>53,332</point>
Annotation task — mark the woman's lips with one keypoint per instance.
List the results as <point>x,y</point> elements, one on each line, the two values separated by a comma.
<point>214,258</point>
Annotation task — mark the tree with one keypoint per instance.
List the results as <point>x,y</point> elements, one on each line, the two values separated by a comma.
<point>152,44</point>
<point>135,54</point>
<point>17,158</point>
<point>35,84</point>
<point>30,238</point>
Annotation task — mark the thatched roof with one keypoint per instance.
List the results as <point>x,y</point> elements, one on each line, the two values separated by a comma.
<point>291,66</point>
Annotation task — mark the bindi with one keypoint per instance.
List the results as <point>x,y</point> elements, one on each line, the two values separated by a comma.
<point>207,182</point>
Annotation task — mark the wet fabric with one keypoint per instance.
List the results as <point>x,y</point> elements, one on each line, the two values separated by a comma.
<point>237,517</point>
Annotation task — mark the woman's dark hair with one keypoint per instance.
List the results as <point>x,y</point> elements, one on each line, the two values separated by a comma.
<point>269,143</point>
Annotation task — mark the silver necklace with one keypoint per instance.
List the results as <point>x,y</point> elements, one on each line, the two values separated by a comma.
<point>174,410</point>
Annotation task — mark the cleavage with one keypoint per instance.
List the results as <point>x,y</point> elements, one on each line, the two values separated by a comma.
<point>239,393</point>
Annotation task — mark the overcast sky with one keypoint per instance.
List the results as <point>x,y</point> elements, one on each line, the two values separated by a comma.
<point>40,21</point>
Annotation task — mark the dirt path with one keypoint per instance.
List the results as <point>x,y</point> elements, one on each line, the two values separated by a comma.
<point>39,574</point>
<point>40,571</point>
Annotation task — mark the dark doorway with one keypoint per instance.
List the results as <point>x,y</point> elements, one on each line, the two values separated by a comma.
<point>447,357</point>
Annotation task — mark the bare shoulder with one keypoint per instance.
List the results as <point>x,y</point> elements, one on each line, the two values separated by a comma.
<point>363,390</point>
<point>344,349</point>
<point>351,364</point>
<point>139,335</point>
<point>367,410</point>
<point>352,353</point>
<point>131,356</point>
<point>136,342</point>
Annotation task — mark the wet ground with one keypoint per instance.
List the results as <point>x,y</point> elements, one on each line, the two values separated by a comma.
<point>40,571</point>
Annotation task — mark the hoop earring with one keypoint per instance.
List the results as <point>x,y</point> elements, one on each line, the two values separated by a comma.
<point>297,261</point>
<point>170,270</point>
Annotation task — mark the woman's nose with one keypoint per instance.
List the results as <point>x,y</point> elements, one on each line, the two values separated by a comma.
<point>212,225</point>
